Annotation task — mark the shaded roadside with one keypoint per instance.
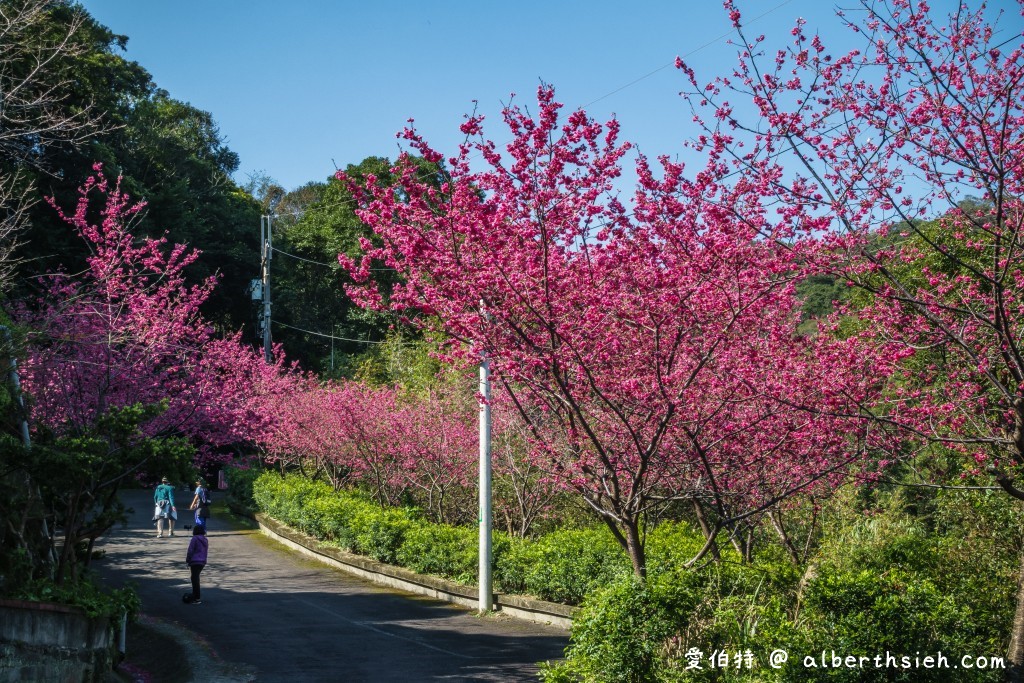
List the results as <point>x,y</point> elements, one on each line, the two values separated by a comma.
<point>159,651</point>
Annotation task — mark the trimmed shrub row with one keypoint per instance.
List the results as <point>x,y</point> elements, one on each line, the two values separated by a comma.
<point>889,591</point>
<point>563,566</point>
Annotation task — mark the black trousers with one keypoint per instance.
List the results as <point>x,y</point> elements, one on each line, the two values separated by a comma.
<point>196,568</point>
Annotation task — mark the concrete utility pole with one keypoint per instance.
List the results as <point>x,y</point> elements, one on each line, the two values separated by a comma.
<point>267,246</point>
<point>486,593</point>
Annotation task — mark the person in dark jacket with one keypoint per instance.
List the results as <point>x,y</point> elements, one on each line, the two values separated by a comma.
<point>195,558</point>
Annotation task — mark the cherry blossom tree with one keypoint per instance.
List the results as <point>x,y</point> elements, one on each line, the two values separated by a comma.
<point>301,433</point>
<point>907,157</point>
<point>437,442</point>
<point>123,371</point>
<point>402,447</point>
<point>399,447</point>
<point>523,492</point>
<point>128,331</point>
<point>635,344</point>
<point>344,430</point>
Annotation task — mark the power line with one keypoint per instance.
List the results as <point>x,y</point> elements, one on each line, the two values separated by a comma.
<point>327,265</point>
<point>688,54</point>
<point>351,202</point>
<point>300,258</point>
<point>328,336</point>
<point>298,213</point>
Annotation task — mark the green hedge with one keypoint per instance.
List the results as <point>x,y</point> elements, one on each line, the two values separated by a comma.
<point>881,586</point>
<point>442,550</point>
<point>85,593</point>
<point>880,583</point>
<point>563,566</point>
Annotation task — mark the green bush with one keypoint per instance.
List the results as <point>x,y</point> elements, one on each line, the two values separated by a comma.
<point>325,517</point>
<point>670,545</point>
<point>867,612</point>
<point>268,492</point>
<point>354,522</point>
<point>85,594</point>
<point>563,566</point>
<point>623,631</point>
<point>380,533</point>
<point>441,550</point>
<point>240,487</point>
<point>291,499</point>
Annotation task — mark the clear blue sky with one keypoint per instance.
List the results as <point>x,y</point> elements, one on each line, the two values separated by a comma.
<point>299,86</point>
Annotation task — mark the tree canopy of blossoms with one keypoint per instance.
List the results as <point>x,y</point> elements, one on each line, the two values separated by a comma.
<point>122,372</point>
<point>906,156</point>
<point>128,331</point>
<point>646,349</point>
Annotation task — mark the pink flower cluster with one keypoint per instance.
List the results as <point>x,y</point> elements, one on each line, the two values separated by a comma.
<point>128,331</point>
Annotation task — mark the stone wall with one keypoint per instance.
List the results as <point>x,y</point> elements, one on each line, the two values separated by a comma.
<point>42,641</point>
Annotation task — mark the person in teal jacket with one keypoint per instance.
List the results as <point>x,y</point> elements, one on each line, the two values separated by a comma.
<point>163,500</point>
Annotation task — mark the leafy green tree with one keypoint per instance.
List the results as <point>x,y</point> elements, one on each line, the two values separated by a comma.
<point>45,109</point>
<point>81,475</point>
<point>315,223</point>
<point>170,154</point>
<point>819,294</point>
<point>173,155</point>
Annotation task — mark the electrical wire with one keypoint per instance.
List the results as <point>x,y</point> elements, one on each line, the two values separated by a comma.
<point>688,54</point>
<point>300,258</point>
<point>352,202</point>
<point>321,334</point>
<point>326,265</point>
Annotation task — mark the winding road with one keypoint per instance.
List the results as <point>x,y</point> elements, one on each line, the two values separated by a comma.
<point>270,615</point>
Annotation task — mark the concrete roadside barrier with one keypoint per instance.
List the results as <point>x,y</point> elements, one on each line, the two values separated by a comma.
<point>518,606</point>
<point>50,641</point>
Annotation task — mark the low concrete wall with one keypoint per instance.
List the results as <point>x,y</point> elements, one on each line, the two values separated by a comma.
<point>48,641</point>
<point>521,607</point>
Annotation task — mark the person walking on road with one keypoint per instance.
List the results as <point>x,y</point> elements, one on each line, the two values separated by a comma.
<point>163,500</point>
<point>195,558</point>
<point>201,503</point>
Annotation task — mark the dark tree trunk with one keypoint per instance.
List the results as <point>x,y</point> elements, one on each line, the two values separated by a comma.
<point>787,543</point>
<point>635,548</point>
<point>708,533</point>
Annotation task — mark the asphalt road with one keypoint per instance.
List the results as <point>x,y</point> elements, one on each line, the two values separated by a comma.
<point>269,615</point>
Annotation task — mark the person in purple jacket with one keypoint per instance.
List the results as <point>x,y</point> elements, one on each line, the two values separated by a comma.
<point>195,558</point>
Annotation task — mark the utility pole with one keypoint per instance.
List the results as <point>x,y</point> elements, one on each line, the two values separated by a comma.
<point>484,571</point>
<point>267,246</point>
